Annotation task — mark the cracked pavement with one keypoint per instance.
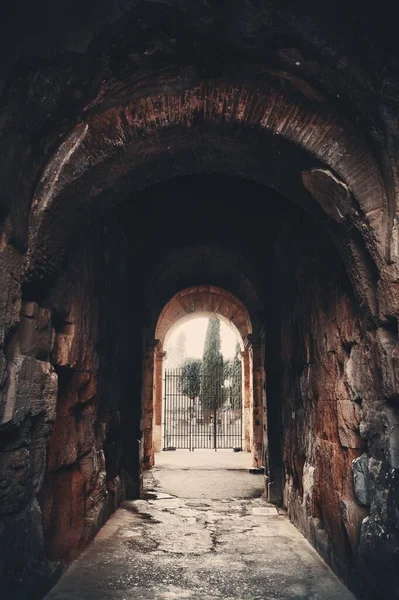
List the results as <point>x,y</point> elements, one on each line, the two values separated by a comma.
<point>210,548</point>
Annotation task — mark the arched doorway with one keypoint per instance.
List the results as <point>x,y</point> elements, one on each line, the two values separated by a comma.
<point>210,300</point>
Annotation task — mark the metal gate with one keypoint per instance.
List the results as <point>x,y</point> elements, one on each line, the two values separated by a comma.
<point>212,419</point>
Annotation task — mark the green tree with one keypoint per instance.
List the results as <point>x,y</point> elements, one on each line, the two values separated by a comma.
<point>212,375</point>
<point>236,379</point>
<point>233,379</point>
<point>227,368</point>
<point>190,380</point>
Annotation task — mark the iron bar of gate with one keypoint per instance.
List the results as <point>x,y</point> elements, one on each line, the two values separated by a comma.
<point>190,425</point>
<point>215,402</point>
<point>193,422</point>
<point>165,407</point>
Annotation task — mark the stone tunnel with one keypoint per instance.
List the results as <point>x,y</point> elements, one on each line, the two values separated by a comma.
<point>153,147</point>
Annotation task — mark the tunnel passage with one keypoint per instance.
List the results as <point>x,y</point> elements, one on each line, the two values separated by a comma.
<point>283,265</point>
<point>238,146</point>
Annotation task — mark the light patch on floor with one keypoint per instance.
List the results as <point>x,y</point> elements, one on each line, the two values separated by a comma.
<point>217,539</point>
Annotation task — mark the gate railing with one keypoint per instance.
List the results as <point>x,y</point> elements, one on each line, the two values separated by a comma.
<point>212,420</point>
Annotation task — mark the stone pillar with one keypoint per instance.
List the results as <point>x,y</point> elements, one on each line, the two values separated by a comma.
<point>247,404</point>
<point>148,405</point>
<point>259,401</point>
<point>158,387</point>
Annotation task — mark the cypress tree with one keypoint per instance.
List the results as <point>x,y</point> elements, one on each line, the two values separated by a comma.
<point>233,375</point>
<point>212,375</point>
<point>236,376</point>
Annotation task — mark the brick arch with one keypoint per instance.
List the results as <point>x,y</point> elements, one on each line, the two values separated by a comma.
<point>308,122</point>
<point>114,139</point>
<point>203,299</point>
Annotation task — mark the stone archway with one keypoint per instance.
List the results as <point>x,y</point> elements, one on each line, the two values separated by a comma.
<point>340,175</point>
<point>207,300</point>
<point>275,96</point>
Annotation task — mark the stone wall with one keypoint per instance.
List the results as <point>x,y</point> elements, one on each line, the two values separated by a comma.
<point>338,483</point>
<point>73,496</point>
<point>93,453</point>
<point>303,99</point>
<point>68,410</point>
<point>28,391</point>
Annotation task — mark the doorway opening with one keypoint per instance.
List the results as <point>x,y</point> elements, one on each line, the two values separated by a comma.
<point>203,387</point>
<point>209,400</point>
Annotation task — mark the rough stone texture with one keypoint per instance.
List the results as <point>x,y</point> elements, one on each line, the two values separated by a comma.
<point>28,390</point>
<point>84,447</point>
<point>29,409</point>
<point>35,331</point>
<point>32,387</point>
<point>361,479</point>
<point>330,412</point>
<point>303,98</point>
<point>94,144</point>
<point>56,427</point>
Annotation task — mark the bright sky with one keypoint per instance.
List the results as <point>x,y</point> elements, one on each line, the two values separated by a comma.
<point>195,331</point>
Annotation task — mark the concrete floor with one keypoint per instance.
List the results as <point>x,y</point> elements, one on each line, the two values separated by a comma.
<point>203,459</point>
<point>207,474</point>
<point>198,535</point>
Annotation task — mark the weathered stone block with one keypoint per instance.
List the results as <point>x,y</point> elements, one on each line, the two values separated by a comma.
<point>357,373</point>
<point>388,285</point>
<point>96,515</point>
<point>326,419</point>
<point>88,387</point>
<point>14,476</point>
<point>35,332</point>
<point>3,368</point>
<point>64,443</point>
<point>62,355</point>
<point>331,193</point>
<point>389,360</point>
<point>63,503</point>
<point>361,479</point>
<point>98,492</point>
<point>393,436</point>
<point>352,516</point>
<point>348,424</point>
<point>85,429</point>
<point>22,467</point>
<point>38,454</point>
<point>29,309</point>
<point>10,288</point>
<point>31,389</point>
<point>90,466</point>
